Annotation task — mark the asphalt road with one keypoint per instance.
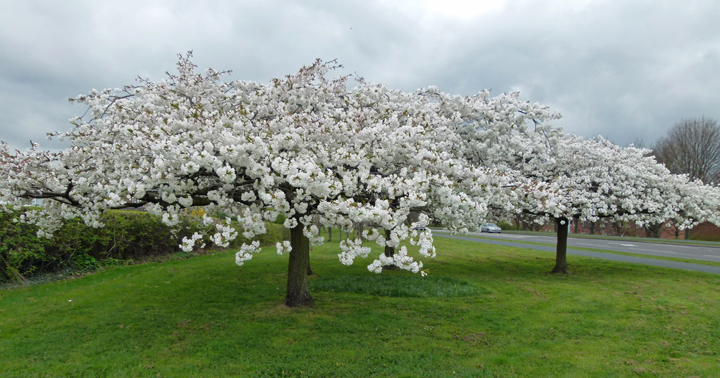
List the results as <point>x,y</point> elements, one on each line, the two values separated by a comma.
<point>669,250</point>
<point>694,252</point>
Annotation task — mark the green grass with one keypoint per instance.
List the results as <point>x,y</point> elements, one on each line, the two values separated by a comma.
<point>484,311</point>
<point>396,286</point>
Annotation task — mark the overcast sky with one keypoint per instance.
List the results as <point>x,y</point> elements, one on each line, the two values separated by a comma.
<point>626,70</point>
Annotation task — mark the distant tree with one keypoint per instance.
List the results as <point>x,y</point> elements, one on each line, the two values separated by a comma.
<point>621,228</point>
<point>528,222</point>
<point>653,230</point>
<point>562,177</point>
<point>692,147</point>
<point>592,227</point>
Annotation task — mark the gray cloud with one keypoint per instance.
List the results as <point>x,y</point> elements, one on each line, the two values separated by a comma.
<point>625,70</point>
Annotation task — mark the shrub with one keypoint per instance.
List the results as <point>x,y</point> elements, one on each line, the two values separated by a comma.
<point>705,237</point>
<point>21,251</point>
<point>85,262</point>
<point>507,225</point>
<point>127,236</point>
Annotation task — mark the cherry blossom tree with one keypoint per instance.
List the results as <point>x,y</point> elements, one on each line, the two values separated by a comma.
<point>305,146</point>
<point>561,176</point>
<point>593,179</point>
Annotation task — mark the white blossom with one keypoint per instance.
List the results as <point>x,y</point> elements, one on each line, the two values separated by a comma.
<point>283,247</point>
<point>319,151</point>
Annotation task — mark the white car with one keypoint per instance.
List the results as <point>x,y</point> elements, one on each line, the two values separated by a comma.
<point>490,227</point>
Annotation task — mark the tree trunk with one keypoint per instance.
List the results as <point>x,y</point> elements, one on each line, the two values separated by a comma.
<point>592,228</point>
<point>389,252</point>
<point>298,293</point>
<point>653,230</point>
<point>329,234</point>
<point>561,249</point>
<point>577,224</point>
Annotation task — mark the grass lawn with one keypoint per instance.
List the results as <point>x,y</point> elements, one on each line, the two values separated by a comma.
<point>484,311</point>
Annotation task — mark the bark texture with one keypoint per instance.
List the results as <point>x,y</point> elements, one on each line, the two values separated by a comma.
<point>561,249</point>
<point>298,293</point>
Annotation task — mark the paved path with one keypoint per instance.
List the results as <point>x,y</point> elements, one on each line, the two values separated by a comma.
<point>599,255</point>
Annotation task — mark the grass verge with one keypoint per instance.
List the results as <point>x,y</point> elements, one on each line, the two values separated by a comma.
<point>484,311</point>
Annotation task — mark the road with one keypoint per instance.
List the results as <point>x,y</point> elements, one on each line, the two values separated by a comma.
<point>706,253</point>
<point>694,252</point>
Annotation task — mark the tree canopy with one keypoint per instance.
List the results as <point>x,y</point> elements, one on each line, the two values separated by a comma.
<point>311,149</point>
<point>305,147</point>
<point>587,179</point>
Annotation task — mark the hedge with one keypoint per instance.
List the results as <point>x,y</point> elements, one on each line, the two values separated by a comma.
<point>127,235</point>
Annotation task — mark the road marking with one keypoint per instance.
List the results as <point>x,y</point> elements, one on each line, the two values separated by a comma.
<point>628,245</point>
<point>653,251</point>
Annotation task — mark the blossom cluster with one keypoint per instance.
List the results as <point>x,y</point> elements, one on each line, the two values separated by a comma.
<point>305,147</point>
<point>313,150</point>
<point>560,175</point>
